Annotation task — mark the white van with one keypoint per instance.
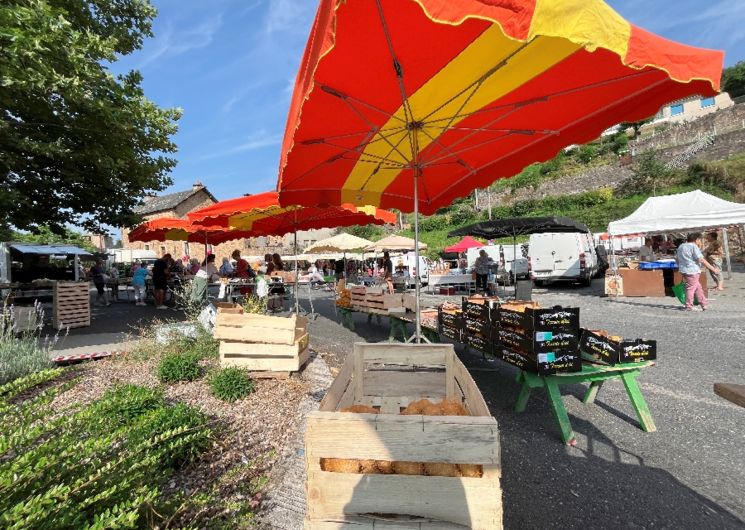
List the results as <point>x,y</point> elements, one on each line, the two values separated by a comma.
<point>562,256</point>
<point>507,267</point>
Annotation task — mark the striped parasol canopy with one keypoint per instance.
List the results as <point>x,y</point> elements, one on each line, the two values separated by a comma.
<point>459,93</point>
<point>175,229</point>
<point>261,214</point>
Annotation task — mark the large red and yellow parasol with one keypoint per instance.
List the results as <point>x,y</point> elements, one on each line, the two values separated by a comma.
<point>262,214</point>
<point>465,92</point>
<point>410,104</point>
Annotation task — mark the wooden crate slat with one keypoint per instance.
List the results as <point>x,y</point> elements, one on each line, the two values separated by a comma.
<point>436,354</point>
<point>386,383</point>
<point>269,364</point>
<point>71,305</point>
<point>340,384</point>
<point>471,502</point>
<point>450,439</point>
<point>264,350</point>
<point>464,382</point>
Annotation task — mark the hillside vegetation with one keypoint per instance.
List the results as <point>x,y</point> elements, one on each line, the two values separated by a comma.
<point>725,179</point>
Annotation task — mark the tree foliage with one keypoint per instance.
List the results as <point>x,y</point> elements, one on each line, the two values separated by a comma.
<point>43,235</point>
<point>733,80</point>
<point>78,144</point>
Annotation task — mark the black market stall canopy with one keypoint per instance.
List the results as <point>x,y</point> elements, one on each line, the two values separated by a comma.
<point>519,226</point>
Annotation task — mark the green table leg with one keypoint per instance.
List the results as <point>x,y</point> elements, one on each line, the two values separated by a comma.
<point>592,392</point>
<point>560,412</point>
<point>522,398</point>
<point>637,400</point>
<point>346,319</point>
<point>369,318</point>
<point>431,335</point>
<point>397,326</point>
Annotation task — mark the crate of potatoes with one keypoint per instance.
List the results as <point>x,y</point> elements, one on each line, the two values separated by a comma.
<point>403,439</point>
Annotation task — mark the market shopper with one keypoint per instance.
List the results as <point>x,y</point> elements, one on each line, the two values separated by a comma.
<point>242,268</point>
<point>139,277</point>
<point>714,255</point>
<point>388,271</point>
<point>98,276</point>
<point>481,268</point>
<point>690,259</point>
<point>213,274</point>
<point>226,269</point>
<point>161,270</point>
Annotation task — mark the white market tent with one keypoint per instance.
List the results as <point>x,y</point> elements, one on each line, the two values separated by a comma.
<point>339,243</point>
<point>682,212</point>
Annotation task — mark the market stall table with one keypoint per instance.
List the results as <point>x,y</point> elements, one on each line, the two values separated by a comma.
<point>594,374</point>
<point>463,280</point>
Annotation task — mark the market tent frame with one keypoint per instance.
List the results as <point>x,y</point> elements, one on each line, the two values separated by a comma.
<point>394,242</point>
<point>682,212</point>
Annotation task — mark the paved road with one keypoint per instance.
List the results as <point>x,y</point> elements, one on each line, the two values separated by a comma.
<point>688,474</point>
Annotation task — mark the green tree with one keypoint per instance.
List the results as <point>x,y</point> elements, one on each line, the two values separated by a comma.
<point>636,125</point>
<point>733,80</point>
<point>44,236</point>
<point>78,145</point>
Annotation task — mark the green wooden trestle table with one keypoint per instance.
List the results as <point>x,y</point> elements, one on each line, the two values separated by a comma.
<point>594,374</point>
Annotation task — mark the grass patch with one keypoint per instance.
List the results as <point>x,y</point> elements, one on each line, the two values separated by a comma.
<point>231,384</point>
<point>177,367</point>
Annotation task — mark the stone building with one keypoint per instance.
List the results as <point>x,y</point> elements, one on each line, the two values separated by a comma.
<point>692,108</point>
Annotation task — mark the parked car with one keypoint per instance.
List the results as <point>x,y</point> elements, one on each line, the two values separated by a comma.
<point>562,256</point>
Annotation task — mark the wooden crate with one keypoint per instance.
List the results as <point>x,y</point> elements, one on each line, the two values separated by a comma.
<point>269,346</point>
<point>228,307</point>
<point>248,327</point>
<point>389,377</point>
<point>71,306</point>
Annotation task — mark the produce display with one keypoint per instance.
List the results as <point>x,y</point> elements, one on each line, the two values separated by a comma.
<point>601,347</point>
<point>450,320</point>
<point>345,298</point>
<point>425,407</point>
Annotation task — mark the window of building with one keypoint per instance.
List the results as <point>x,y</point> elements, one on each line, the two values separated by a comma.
<point>147,247</point>
<point>675,110</point>
<point>162,251</point>
<point>186,249</point>
<point>707,102</point>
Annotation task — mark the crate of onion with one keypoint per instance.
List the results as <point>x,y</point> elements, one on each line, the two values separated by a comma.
<point>403,439</point>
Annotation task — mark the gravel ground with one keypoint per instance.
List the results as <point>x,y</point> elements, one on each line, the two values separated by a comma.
<point>688,474</point>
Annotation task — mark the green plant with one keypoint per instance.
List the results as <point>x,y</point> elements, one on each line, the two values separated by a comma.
<point>586,153</point>
<point>124,403</point>
<point>21,351</point>
<point>231,384</point>
<point>175,367</point>
<point>72,471</point>
<point>254,305</point>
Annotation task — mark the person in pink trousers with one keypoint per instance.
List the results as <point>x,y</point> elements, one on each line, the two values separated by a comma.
<point>690,259</point>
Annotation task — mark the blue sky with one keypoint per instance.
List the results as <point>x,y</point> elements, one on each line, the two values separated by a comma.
<point>230,65</point>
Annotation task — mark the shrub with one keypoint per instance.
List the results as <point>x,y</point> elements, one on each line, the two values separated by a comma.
<point>175,367</point>
<point>125,403</point>
<point>64,471</point>
<point>21,352</point>
<point>586,153</point>
<point>231,384</point>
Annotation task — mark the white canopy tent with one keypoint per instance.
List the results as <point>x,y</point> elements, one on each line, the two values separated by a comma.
<point>682,212</point>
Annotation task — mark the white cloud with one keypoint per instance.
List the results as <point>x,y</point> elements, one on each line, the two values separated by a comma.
<point>288,16</point>
<point>257,141</point>
<point>172,43</point>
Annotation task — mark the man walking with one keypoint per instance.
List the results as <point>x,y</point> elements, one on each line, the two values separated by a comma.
<point>690,258</point>
<point>160,280</point>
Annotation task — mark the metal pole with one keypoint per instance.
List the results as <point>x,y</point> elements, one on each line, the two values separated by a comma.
<point>418,333</point>
<point>488,202</point>
<point>76,265</point>
<point>725,238</point>
<point>297,301</point>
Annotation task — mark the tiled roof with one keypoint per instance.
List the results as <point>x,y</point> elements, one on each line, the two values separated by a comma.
<point>168,202</point>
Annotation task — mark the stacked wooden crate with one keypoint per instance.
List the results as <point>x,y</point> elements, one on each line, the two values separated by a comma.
<point>388,378</point>
<point>71,306</point>
<point>267,345</point>
<point>375,300</point>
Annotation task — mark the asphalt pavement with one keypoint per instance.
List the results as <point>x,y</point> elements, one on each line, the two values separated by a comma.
<point>688,474</point>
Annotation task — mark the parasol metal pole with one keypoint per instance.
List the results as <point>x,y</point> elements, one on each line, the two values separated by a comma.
<point>514,260</point>
<point>417,288</point>
<point>725,239</point>
<point>295,289</point>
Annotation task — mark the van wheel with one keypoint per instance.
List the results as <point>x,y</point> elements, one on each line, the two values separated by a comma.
<point>539,283</point>
<point>585,282</point>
